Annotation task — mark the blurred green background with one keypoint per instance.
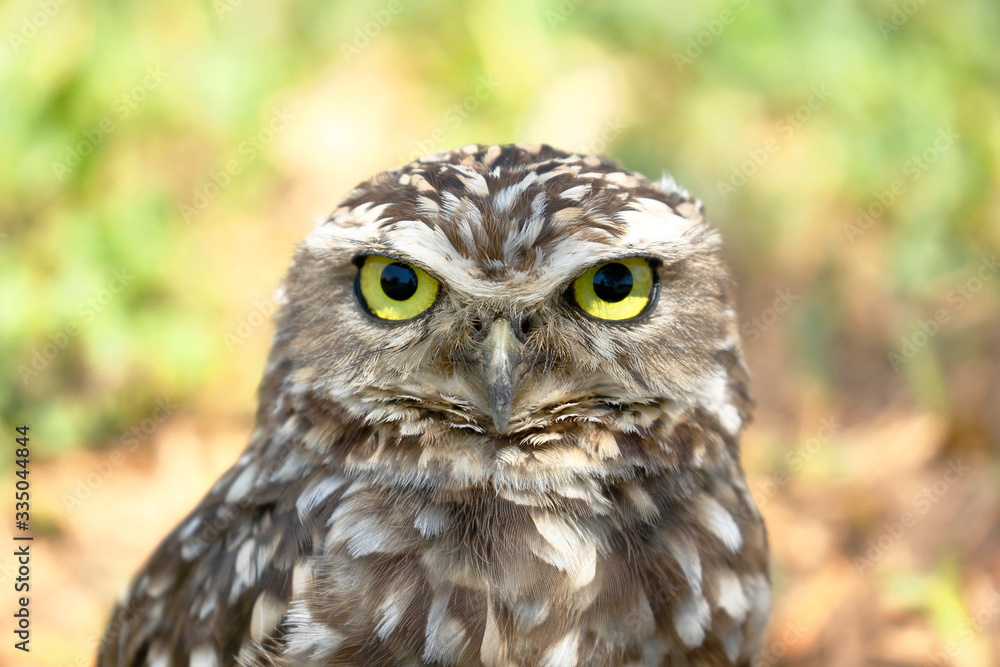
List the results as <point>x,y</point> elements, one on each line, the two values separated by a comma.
<point>161,160</point>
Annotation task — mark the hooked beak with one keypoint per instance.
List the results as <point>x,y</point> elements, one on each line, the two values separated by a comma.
<point>502,354</point>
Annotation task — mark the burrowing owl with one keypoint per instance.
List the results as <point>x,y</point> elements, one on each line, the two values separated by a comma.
<point>499,425</point>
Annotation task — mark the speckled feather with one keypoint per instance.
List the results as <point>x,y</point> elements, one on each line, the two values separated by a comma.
<point>379,517</point>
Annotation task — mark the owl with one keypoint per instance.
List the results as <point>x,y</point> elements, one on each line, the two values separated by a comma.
<point>499,425</point>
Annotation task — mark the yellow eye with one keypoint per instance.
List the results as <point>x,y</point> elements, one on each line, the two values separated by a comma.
<point>393,290</point>
<point>618,290</point>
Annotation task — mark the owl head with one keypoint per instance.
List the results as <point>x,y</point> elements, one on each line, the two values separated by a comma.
<point>494,308</point>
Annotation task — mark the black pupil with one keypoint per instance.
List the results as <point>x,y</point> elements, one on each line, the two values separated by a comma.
<point>613,282</point>
<point>399,282</point>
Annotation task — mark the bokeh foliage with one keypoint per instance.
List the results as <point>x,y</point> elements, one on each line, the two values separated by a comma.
<point>136,261</point>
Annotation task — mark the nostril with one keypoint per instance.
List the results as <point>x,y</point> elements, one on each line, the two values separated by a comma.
<point>519,326</point>
<point>526,326</point>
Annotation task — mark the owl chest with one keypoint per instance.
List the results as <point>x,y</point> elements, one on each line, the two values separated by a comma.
<point>493,547</point>
<point>463,578</point>
<point>483,580</point>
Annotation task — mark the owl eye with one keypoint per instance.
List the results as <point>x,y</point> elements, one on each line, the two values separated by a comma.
<point>393,290</point>
<point>618,290</point>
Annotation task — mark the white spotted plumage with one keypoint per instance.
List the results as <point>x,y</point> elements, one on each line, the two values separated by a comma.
<point>382,514</point>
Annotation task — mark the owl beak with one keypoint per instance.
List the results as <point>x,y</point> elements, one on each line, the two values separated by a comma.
<point>501,367</point>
